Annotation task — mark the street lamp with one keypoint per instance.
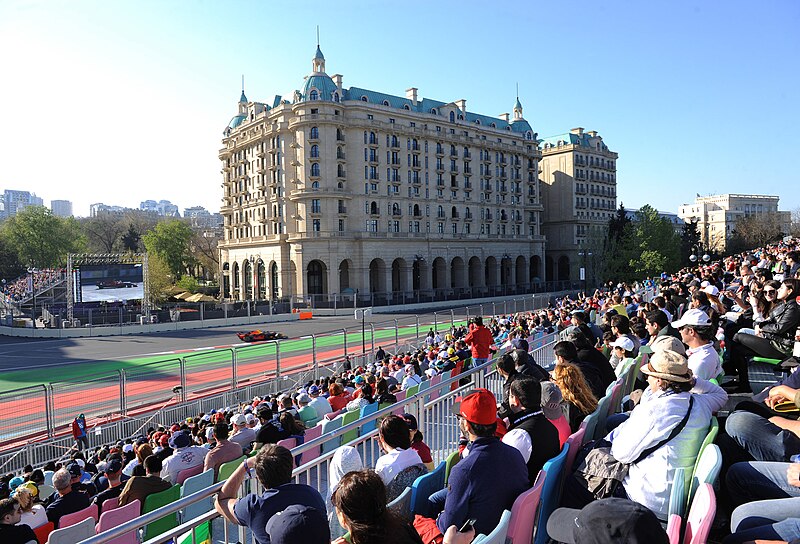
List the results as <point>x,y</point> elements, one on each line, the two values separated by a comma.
<point>584,253</point>
<point>32,272</point>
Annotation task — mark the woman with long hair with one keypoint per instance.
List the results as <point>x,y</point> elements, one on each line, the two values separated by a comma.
<point>578,396</point>
<point>338,398</point>
<point>773,338</point>
<point>360,501</point>
<point>33,514</point>
<point>136,467</point>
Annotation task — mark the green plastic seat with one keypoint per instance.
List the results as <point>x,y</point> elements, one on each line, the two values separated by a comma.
<point>348,418</point>
<point>155,501</point>
<point>226,469</point>
<point>449,463</point>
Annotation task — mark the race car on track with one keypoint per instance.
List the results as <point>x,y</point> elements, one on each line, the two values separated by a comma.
<point>260,336</point>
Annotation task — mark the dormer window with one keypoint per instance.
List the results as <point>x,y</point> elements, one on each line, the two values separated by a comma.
<point>385,102</point>
<point>313,95</point>
<point>364,99</point>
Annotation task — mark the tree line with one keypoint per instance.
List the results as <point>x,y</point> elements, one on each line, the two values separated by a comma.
<point>177,252</point>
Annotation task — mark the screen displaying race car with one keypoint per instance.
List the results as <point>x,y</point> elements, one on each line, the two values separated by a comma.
<point>260,336</point>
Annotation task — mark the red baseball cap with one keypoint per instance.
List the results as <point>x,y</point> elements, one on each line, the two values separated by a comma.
<point>476,406</point>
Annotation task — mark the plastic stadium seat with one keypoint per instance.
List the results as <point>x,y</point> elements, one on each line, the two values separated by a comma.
<point>226,469</point>
<point>450,462</point>
<point>455,372</point>
<point>309,455</point>
<point>48,477</point>
<point>706,470</point>
<point>193,485</point>
<point>761,372</point>
<point>674,529</point>
<point>588,425</point>
<point>74,533</point>
<point>188,473</point>
<point>601,413</point>
<point>76,517</point>
<point>157,500</point>
<point>523,513</point>
<point>327,427</point>
<point>288,443</point>
<point>365,411</point>
<point>330,416</point>
<point>701,516</point>
<point>424,385</point>
<point>615,402</point>
<point>575,442</point>
<point>678,493</point>
<point>45,491</point>
<point>400,396</point>
<point>118,516</point>
<point>347,418</point>
<point>551,492</point>
<point>401,506</point>
<point>423,487</point>
<point>43,531</point>
<point>498,535</point>
<point>436,380</point>
<point>411,391</point>
<point>109,504</point>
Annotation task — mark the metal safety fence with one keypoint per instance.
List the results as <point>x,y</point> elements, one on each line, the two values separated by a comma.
<point>35,421</point>
<point>432,407</point>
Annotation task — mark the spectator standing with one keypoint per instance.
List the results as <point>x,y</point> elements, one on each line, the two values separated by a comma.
<point>79,432</point>
<point>10,531</point>
<point>224,450</point>
<point>479,339</point>
<point>184,456</point>
<point>67,500</point>
<point>272,466</point>
<point>139,487</point>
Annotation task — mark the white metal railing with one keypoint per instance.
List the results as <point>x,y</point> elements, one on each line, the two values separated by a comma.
<point>434,418</point>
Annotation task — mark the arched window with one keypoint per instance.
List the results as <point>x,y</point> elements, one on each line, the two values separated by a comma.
<point>314,133</point>
<point>416,210</point>
<point>373,208</point>
<point>340,170</point>
<point>313,95</point>
<point>315,169</point>
<point>364,99</point>
<point>395,209</point>
<point>460,117</point>
<point>405,107</point>
<point>394,141</point>
<point>453,212</point>
<point>494,125</point>
<point>315,185</point>
<point>385,102</point>
<point>452,117</point>
<point>433,111</point>
<point>440,211</point>
<point>373,138</point>
<point>315,151</point>
<point>335,97</point>
<point>528,135</point>
<point>477,121</point>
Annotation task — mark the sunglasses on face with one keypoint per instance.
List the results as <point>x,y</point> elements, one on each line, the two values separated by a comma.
<point>770,291</point>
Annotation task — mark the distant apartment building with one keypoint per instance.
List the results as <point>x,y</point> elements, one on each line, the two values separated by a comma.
<point>200,217</point>
<point>103,209</point>
<point>61,208</point>
<point>716,215</point>
<point>677,222</point>
<point>164,208</point>
<point>579,193</point>
<point>16,201</point>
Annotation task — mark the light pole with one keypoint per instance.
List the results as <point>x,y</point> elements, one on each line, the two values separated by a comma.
<point>584,253</point>
<point>362,315</point>
<point>32,272</point>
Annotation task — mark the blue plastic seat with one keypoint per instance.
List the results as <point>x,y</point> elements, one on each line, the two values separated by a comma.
<point>423,487</point>
<point>551,493</point>
<point>327,427</point>
<point>371,425</point>
<point>499,534</point>
<point>193,484</point>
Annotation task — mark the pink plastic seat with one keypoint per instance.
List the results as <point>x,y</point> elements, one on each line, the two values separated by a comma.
<point>701,515</point>
<point>674,529</point>
<point>118,516</point>
<point>523,512</point>
<point>109,504</point>
<point>288,443</point>
<point>575,442</point>
<point>330,416</point>
<point>309,455</point>
<point>188,473</point>
<point>77,517</point>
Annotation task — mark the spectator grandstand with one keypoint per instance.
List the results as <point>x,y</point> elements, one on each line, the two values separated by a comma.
<point>653,401</point>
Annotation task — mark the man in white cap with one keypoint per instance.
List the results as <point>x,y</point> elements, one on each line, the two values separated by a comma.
<point>697,333</point>
<point>242,434</point>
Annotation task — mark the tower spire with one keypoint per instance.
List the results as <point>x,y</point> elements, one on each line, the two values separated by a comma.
<point>518,107</point>
<point>318,62</point>
<point>243,98</point>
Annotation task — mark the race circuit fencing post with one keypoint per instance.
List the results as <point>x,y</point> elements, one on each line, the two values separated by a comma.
<point>372,337</point>
<point>435,327</point>
<point>505,307</point>
<point>314,356</point>
<point>494,309</point>
<point>234,369</point>
<point>182,363</point>
<point>452,318</point>
<point>122,407</point>
<point>481,309</point>
<point>396,335</point>
<point>48,401</point>
<point>277,360</point>
<point>344,342</point>
<point>467,310</point>
<point>416,322</point>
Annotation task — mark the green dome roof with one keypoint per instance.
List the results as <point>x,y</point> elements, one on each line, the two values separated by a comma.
<point>322,83</point>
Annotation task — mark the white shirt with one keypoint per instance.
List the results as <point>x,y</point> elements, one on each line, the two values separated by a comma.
<point>410,381</point>
<point>393,463</point>
<point>649,481</point>
<point>35,518</point>
<point>521,440</point>
<point>181,459</point>
<point>704,361</point>
<point>321,405</point>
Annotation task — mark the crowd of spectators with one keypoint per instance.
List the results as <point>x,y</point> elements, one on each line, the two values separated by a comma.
<point>701,324</point>
<point>23,287</point>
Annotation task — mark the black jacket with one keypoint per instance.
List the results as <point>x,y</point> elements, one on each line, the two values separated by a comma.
<point>544,439</point>
<point>780,326</point>
<point>605,374</point>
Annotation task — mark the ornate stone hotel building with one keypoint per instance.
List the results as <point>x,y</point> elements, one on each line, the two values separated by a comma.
<point>342,190</point>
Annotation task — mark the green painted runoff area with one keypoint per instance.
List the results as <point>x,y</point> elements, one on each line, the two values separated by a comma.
<point>217,358</point>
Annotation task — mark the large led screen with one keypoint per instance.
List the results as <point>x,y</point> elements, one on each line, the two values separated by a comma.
<point>109,282</point>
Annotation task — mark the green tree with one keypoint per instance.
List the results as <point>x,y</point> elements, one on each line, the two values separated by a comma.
<point>131,240</point>
<point>189,283</point>
<point>10,267</point>
<point>657,244</point>
<point>170,241</point>
<point>159,279</point>
<point>690,240</point>
<point>41,239</point>
<point>102,232</point>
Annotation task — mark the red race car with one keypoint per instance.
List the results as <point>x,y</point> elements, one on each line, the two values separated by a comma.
<point>260,336</point>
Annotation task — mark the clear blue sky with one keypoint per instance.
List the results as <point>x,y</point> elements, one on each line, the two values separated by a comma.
<point>118,102</point>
